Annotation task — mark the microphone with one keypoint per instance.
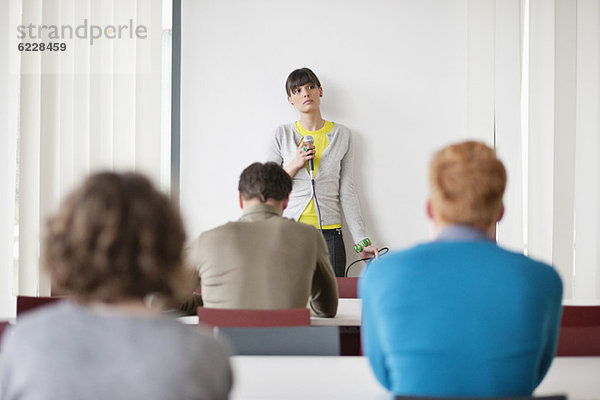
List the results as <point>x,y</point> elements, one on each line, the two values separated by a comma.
<point>311,168</point>
<point>311,162</point>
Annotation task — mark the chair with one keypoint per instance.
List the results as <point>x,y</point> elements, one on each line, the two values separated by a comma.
<point>555,397</point>
<point>28,303</point>
<point>580,316</point>
<point>283,341</point>
<point>253,318</point>
<point>579,331</point>
<point>347,288</point>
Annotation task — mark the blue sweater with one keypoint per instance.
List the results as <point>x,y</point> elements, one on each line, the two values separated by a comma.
<point>460,318</point>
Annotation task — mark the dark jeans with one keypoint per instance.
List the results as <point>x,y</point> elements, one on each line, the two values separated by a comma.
<point>337,251</point>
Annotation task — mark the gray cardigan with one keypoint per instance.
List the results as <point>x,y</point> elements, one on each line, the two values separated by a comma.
<point>334,183</point>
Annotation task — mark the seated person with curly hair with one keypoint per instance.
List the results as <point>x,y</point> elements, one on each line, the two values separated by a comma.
<point>461,316</point>
<point>115,241</point>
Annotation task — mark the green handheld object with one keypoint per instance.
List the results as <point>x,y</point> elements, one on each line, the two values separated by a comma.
<point>358,247</point>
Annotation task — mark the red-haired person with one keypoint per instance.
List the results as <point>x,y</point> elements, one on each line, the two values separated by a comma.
<point>461,316</point>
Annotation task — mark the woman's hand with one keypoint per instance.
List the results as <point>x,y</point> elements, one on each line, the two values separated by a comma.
<point>305,152</point>
<point>369,252</point>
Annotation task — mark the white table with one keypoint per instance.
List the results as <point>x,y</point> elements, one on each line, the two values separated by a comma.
<point>581,302</point>
<point>285,377</point>
<point>349,314</point>
<point>349,378</point>
<point>578,377</point>
<point>304,377</point>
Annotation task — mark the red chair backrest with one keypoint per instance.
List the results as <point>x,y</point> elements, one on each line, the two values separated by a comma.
<point>580,316</point>
<point>579,331</point>
<point>28,303</point>
<point>253,318</point>
<point>579,341</point>
<point>347,288</point>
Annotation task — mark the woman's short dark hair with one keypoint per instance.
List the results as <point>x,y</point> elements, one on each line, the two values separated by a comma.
<point>265,181</point>
<point>300,77</point>
<point>115,238</point>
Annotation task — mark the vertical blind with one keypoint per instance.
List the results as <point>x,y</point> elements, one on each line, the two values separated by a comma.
<point>564,141</point>
<point>550,145</point>
<point>9,101</point>
<point>94,106</point>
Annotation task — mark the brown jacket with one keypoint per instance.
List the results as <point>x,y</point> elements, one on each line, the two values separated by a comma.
<point>264,261</point>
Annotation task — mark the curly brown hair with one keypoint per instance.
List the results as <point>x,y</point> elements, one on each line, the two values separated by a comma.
<point>115,238</point>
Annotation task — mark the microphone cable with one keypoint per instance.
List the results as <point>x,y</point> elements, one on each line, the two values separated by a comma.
<point>311,167</point>
<point>314,196</point>
<point>383,251</point>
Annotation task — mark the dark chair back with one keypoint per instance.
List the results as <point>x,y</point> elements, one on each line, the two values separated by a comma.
<point>347,288</point>
<point>28,303</point>
<point>253,318</point>
<point>580,316</point>
<point>283,341</point>
<point>579,331</point>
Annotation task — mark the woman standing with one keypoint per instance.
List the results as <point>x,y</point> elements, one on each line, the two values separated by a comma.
<point>333,158</point>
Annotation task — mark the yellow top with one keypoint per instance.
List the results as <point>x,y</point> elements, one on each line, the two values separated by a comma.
<point>309,215</point>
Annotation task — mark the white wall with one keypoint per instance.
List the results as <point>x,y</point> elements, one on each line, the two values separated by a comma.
<point>396,73</point>
<point>407,77</point>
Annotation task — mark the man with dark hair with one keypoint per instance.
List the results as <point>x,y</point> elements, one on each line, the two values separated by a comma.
<point>263,182</point>
<point>264,261</point>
